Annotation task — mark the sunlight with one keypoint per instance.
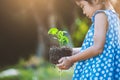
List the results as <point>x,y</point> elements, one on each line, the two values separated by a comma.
<point>23,8</point>
<point>114,1</point>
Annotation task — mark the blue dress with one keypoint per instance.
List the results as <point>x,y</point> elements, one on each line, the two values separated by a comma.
<point>105,66</point>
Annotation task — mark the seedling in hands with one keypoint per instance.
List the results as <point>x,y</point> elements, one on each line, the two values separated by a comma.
<point>56,53</point>
<point>59,35</point>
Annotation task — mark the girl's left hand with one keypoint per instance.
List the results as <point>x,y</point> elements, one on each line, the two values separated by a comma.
<point>64,63</point>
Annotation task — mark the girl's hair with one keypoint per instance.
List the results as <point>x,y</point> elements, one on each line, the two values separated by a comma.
<point>90,1</point>
<point>116,6</point>
<point>112,5</point>
<point>99,1</point>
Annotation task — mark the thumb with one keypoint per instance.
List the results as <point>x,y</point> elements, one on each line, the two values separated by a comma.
<point>60,60</point>
<point>59,65</point>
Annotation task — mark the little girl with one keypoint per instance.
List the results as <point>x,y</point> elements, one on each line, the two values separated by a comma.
<point>99,57</point>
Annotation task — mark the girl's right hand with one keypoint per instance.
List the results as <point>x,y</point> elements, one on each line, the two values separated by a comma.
<point>64,63</point>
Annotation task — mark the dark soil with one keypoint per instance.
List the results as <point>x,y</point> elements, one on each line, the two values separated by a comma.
<point>56,53</point>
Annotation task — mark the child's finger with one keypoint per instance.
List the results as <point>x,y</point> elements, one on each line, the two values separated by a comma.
<point>59,65</point>
<point>60,60</point>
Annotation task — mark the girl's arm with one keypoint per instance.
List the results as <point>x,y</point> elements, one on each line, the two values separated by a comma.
<point>100,30</point>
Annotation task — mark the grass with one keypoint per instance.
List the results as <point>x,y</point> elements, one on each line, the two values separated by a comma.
<point>45,71</point>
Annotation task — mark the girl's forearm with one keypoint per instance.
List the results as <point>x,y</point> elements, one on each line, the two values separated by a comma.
<point>86,54</point>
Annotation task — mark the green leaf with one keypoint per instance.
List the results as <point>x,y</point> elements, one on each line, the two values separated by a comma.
<point>53,31</point>
<point>64,31</point>
<point>60,34</point>
<point>64,40</point>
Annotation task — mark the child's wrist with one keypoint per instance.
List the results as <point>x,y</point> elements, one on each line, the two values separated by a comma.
<point>70,59</point>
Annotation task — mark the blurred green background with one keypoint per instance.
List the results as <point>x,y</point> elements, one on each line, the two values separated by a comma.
<point>24,42</point>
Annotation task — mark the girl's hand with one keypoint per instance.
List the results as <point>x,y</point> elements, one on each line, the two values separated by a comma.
<point>64,63</point>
